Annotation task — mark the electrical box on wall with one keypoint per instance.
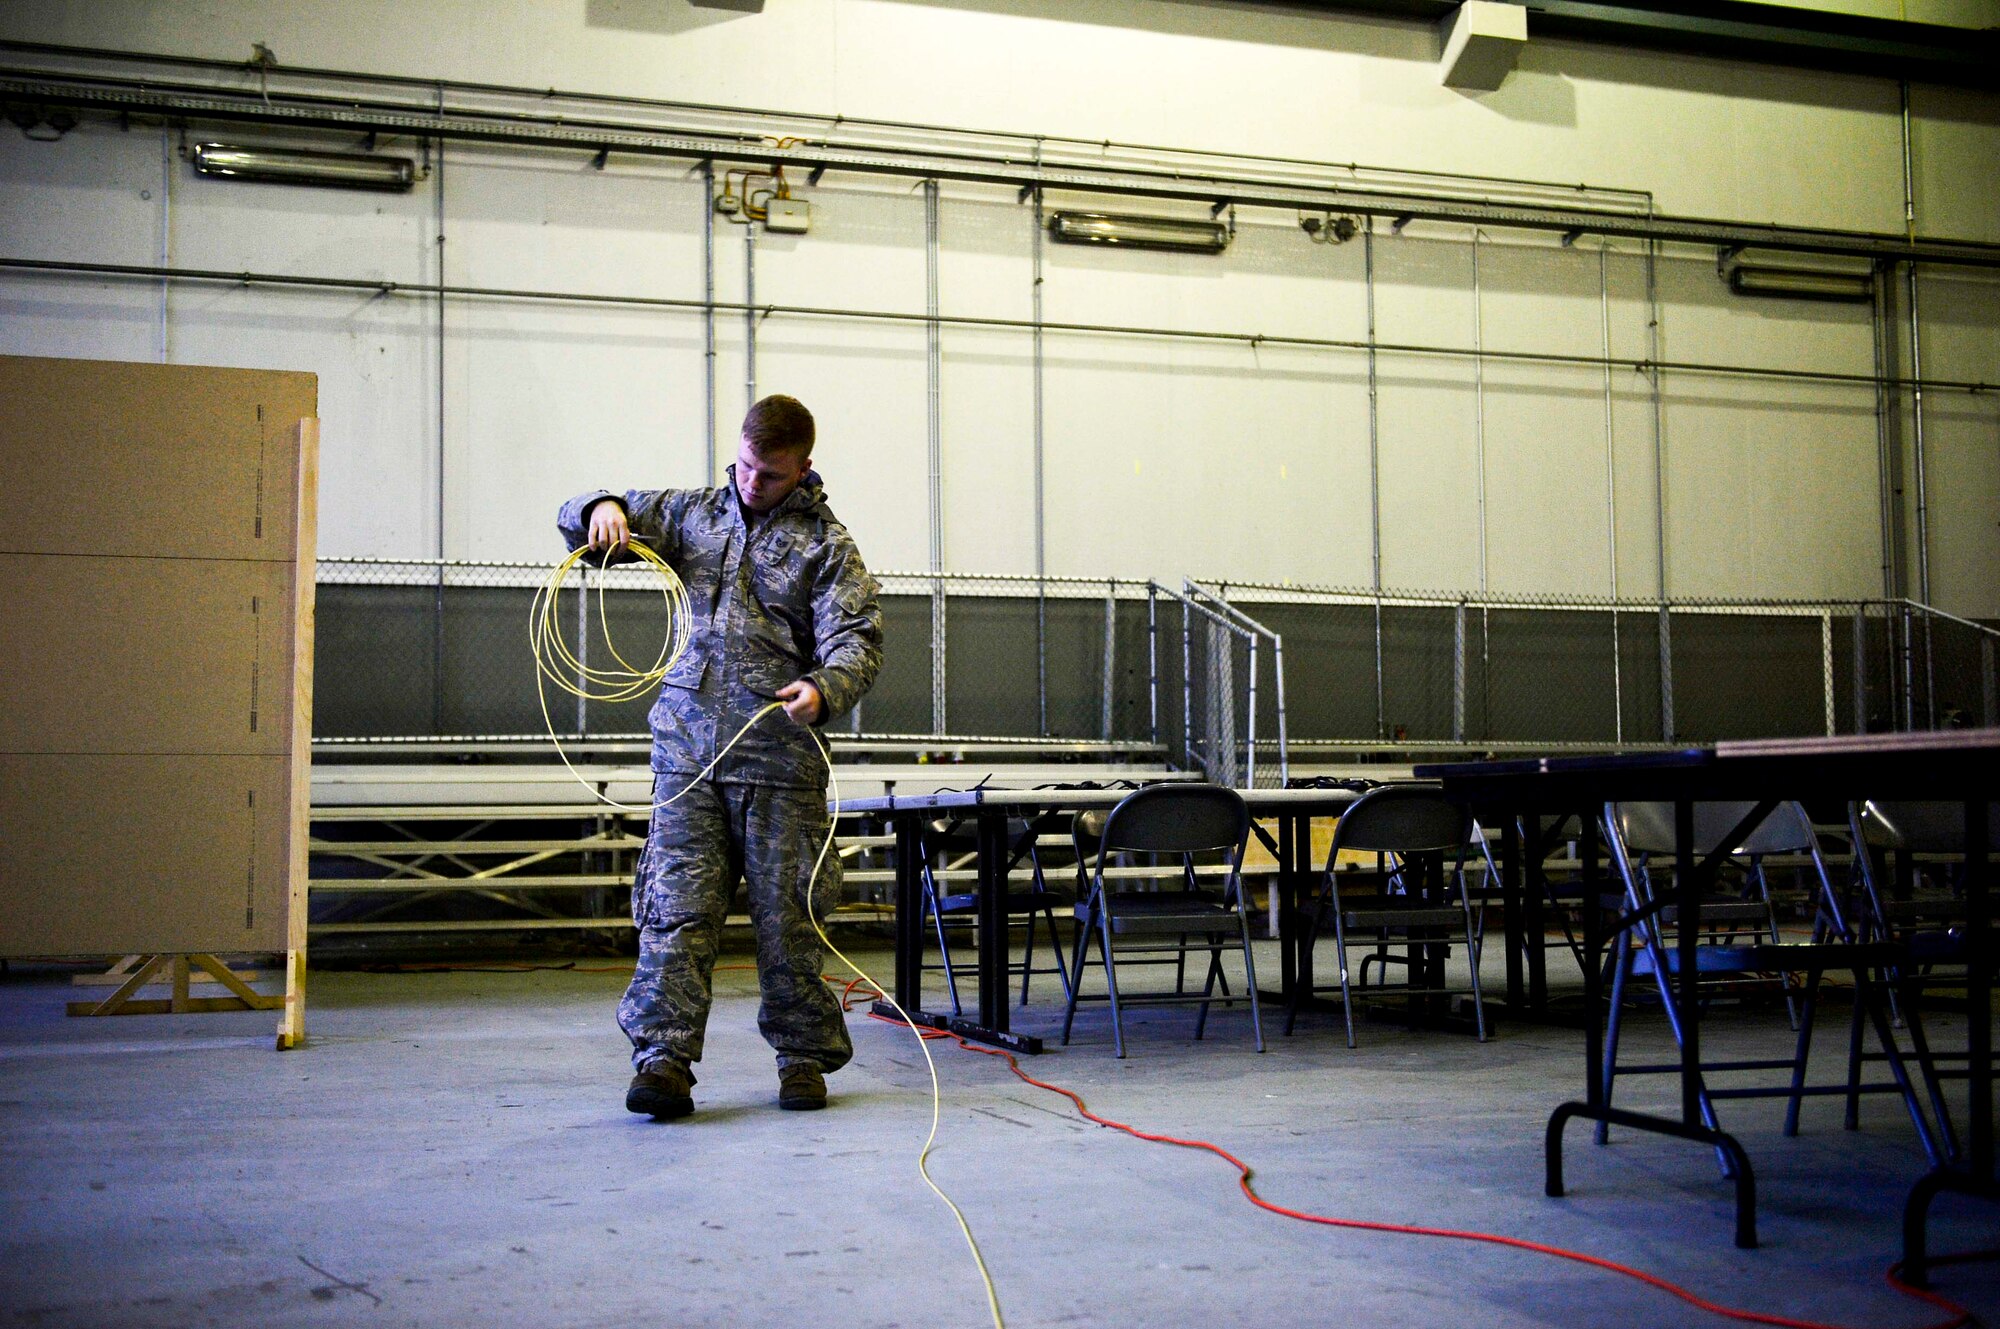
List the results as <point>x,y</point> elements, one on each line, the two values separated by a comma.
<point>790,215</point>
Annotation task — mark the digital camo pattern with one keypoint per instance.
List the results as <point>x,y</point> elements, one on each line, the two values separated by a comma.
<point>695,851</point>
<point>788,598</point>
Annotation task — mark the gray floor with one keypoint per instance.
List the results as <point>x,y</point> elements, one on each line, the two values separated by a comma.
<point>452,1149</point>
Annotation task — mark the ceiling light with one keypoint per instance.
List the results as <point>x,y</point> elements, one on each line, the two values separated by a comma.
<point>1103,228</point>
<point>297,166</point>
<point>1802,283</point>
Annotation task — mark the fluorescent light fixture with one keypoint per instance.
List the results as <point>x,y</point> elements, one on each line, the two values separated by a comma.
<point>1103,228</point>
<point>1802,283</point>
<point>298,166</point>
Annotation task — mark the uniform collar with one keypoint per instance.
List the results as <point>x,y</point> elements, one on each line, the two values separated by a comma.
<point>808,495</point>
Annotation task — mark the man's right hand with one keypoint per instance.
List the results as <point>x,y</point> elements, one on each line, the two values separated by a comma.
<point>608,527</point>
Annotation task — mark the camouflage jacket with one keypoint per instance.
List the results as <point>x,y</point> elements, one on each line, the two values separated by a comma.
<point>787,598</point>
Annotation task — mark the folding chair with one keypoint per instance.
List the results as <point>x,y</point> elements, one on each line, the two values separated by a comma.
<point>1645,831</point>
<point>1742,944</point>
<point>1929,920</point>
<point>945,838</point>
<point>1413,826</point>
<point>1177,821</point>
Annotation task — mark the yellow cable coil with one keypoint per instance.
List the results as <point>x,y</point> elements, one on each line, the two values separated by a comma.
<point>555,661</point>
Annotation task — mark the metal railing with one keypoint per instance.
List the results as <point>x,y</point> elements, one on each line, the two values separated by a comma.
<point>1229,671</point>
<point>1417,668</point>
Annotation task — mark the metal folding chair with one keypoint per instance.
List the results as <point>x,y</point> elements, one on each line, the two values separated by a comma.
<point>1177,822</point>
<point>1412,827</point>
<point>1928,918</point>
<point>1742,944</point>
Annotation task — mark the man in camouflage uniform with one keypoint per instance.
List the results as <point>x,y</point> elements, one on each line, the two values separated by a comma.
<point>783,610</point>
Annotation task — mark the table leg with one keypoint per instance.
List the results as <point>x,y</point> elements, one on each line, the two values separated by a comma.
<point>1512,911</point>
<point>1290,936</point>
<point>992,841</point>
<point>909,914</point>
<point>1976,1179</point>
<point>1687,929</point>
<point>1979,987</point>
<point>991,1027</point>
<point>1534,904</point>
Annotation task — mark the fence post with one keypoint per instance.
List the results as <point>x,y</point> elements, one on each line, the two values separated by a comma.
<point>1618,681</point>
<point>437,652</point>
<point>1042,655</point>
<point>1152,664</point>
<point>1458,673</point>
<point>582,650</point>
<point>1284,736</point>
<point>1930,666</point>
<point>1909,675</point>
<point>1666,675</point>
<point>1110,654</point>
<point>1187,683</point>
<point>1250,746</point>
<point>1860,668</point>
<point>1381,691</point>
<point>937,656</point>
<point>1989,686</point>
<point>1826,665</point>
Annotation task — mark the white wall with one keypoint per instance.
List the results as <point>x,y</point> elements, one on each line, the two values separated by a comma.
<point>1163,457</point>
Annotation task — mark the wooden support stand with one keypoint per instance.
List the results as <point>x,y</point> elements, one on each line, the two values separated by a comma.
<point>145,971</point>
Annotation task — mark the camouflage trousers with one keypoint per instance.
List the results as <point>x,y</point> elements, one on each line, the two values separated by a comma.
<point>696,850</point>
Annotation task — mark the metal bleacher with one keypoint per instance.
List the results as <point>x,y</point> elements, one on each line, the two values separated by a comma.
<point>423,838</point>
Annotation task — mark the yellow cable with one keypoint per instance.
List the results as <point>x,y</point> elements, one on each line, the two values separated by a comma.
<point>625,683</point>
<point>937,1096</point>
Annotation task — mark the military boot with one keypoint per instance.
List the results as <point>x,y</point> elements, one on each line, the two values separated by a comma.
<point>801,1088</point>
<point>662,1094</point>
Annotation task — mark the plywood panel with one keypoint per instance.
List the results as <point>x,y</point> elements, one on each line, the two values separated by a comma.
<point>148,460</point>
<point>145,655</point>
<point>109,855</point>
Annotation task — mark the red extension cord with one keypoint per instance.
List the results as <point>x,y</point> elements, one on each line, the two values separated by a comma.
<point>1958,1314</point>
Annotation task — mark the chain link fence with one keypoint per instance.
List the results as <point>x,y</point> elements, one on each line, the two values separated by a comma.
<point>1416,668</point>
<point>422,648</point>
<point>429,649</point>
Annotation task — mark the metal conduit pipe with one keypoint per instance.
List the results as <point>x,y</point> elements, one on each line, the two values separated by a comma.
<point>934,430</point>
<point>1339,187</point>
<point>1095,147</point>
<point>166,231</point>
<point>1479,437</point>
<point>437,621</point>
<point>1885,444</point>
<point>1611,496</point>
<point>1657,379</point>
<point>1917,413</point>
<point>710,470</point>
<point>1374,474</point>
<point>749,316</point>
<point>379,286</point>
<point>1041,541</point>
<point>1916,363</point>
<point>1479,406</point>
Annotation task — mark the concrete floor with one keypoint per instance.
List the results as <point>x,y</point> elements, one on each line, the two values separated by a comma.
<point>452,1149</point>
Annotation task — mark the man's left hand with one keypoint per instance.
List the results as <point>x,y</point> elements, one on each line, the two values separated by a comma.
<point>802,701</point>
